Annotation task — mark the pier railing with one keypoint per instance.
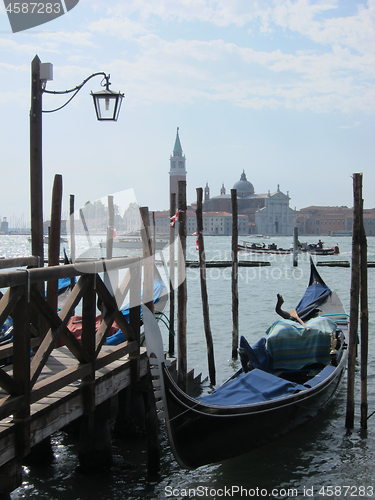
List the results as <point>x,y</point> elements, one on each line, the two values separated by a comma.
<point>37,328</point>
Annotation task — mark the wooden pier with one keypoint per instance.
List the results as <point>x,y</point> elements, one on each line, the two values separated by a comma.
<point>47,387</point>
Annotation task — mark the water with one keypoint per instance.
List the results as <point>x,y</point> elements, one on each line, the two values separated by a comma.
<point>319,460</point>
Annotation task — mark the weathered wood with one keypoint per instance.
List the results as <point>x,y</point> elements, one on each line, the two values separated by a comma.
<point>234,273</point>
<point>85,227</point>
<point>9,300</point>
<point>364,320</point>
<point>21,371</point>
<point>110,279</point>
<point>354,298</point>
<point>71,226</point>
<point>10,477</point>
<point>19,262</point>
<point>9,405</point>
<point>36,171</point>
<point>172,230</point>
<point>295,247</point>
<point>59,328</point>
<point>111,304</point>
<point>135,319</point>
<point>54,240</point>
<point>202,266</point>
<point>19,277</point>
<point>182,289</point>
<point>88,343</point>
<point>148,260</point>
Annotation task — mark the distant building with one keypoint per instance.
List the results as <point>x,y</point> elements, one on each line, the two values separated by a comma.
<point>177,171</point>
<point>332,221</point>
<point>266,213</point>
<point>4,226</point>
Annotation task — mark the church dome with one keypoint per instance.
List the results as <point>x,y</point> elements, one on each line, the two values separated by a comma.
<point>243,186</point>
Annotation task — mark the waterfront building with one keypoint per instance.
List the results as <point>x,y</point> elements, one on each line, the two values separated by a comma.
<point>332,221</point>
<point>266,213</point>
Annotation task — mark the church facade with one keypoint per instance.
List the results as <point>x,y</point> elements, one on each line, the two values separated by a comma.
<point>267,213</point>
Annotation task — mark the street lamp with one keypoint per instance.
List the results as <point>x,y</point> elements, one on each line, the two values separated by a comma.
<point>107,106</point>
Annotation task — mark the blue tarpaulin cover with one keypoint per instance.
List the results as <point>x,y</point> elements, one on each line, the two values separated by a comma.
<point>314,295</point>
<point>292,346</point>
<point>252,387</point>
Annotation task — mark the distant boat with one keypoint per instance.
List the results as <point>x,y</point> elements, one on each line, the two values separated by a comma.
<point>133,243</point>
<point>46,240</point>
<point>258,248</point>
<point>316,249</point>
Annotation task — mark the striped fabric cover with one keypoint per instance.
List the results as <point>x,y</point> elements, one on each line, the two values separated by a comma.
<point>292,346</point>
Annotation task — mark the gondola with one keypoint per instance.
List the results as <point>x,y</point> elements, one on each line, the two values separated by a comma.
<point>271,394</point>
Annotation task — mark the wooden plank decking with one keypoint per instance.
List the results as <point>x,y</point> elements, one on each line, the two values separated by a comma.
<point>54,411</point>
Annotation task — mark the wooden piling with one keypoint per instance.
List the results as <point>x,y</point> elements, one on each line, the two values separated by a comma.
<point>54,239</point>
<point>110,228</point>
<point>36,171</point>
<point>148,260</point>
<point>295,247</point>
<point>202,266</point>
<point>72,232</point>
<point>233,193</point>
<point>182,289</point>
<point>364,324</point>
<point>354,298</point>
<point>172,231</point>
<point>85,227</point>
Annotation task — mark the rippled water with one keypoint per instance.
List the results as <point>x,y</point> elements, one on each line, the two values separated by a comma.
<point>321,455</point>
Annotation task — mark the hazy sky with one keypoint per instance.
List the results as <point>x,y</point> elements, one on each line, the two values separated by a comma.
<point>283,89</point>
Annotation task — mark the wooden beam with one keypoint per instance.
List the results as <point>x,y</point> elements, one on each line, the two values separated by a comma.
<point>204,294</point>
<point>234,273</point>
<point>182,289</point>
<point>354,298</point>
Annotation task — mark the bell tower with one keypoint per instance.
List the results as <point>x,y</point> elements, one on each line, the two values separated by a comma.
<point>177,171</point>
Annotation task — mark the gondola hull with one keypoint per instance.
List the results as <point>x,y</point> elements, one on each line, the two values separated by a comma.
<point>201,435</point>
<point>214,428</point>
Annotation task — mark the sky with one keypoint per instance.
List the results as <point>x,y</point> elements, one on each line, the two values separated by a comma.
<point>282,89</point>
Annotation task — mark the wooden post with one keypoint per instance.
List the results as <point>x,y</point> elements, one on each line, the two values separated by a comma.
<point>110,277</point>
<point>72,233</point>
<point>135,316</point>
<point>85,227</point>
<point>148,260</point>
<point>364,325</point>
<point>171,275</point>
<point>295,247</point>
<point>36,171</point>
<point>233,193</point>
<point>182,289</point>
<point>202,266</point>
<point>54,240</point>
<point>354,298</point>
<point>110,228</point>
<point>21,368</point>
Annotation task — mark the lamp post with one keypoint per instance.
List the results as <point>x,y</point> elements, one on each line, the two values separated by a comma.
<point>107,106</point>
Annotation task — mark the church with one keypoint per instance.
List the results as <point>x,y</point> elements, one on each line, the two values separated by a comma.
<point>267,213</point>
<point>264,213</point>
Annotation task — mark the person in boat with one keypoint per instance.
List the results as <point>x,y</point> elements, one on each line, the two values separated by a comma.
<point>320,244</point>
